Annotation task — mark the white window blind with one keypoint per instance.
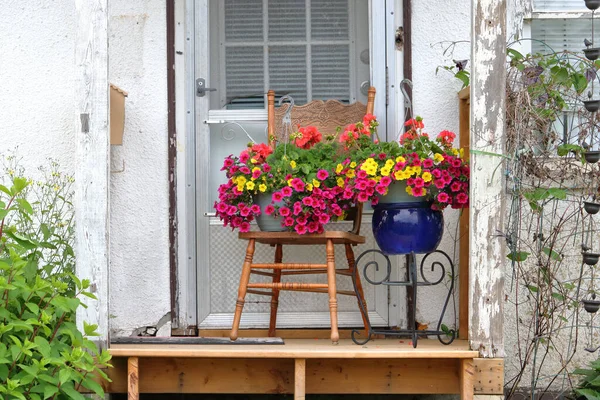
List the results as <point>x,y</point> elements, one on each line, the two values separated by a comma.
<point>296,47</point>
<point>559,5</point>
<point>562,34</point>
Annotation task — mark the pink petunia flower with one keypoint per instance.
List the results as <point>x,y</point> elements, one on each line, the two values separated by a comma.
<point>244,227</point>
<point>286,191</point>
<point>288,221</point>
<point>301,229</point>
<point>277,197</point>
<point>322,174</point>
<point>269,209</point>
<point>284,211</point>
<point>443,197</point>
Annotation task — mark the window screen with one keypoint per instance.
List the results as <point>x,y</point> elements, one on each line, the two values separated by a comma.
<point>297,47</point>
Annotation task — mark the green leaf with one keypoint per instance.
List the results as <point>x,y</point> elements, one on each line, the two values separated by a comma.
<point>25,206</point>
<point>50,391</point>
<point>463,76</point>
<point>70,391</point>
<point>558,193</point>
<point>90,329</point>
<point>552,254</point>
<point>518,256</point>
<point>64,375</point>
<point>93,386</point>
<point>532,288</point>
<point>18,185</point>
<point>5,190</point>
<point>589,394</point>
<point>558,296</point>
<point>579,82</point>
<point>43,346</point>
<point>565,149</point>
<point>515,55</point>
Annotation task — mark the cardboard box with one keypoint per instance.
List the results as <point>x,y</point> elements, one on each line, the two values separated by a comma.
<point>117,114</point>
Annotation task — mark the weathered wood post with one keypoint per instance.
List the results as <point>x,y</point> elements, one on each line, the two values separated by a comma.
<point>487,205</point>
<point>92,174</point>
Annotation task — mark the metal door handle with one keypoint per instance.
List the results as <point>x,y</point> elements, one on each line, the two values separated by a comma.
<point>201,88</point>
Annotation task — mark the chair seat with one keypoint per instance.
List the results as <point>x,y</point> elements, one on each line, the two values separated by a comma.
<point>273,238</point>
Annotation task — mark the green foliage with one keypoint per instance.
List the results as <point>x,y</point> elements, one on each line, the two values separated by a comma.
<point>42,353</point>
<point>589,387</point>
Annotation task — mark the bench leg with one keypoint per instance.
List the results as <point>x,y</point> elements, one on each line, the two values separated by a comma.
<point>331,289</point>
<point>466,369</point>
<point>300,379</point>
<point>275,297</point>
<point>133,390</point>
<point>244,279</point>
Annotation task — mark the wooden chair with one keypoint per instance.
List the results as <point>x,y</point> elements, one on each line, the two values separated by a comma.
<point>326,116</point>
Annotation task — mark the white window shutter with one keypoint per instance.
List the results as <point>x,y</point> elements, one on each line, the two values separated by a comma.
<point>562,34</point>
<point>559,5</point>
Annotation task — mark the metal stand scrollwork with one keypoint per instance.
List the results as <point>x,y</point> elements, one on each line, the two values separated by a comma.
<point>445,337</point>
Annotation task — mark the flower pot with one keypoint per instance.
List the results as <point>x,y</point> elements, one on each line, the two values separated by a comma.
<point>267,223</point>
<point>591,208</point>
<point>397,194</point>
<point>591,306</point>
<point>590,258</point>
<point>592,105</point>
<point>592,4</point>
<point>592,53</point>
<point>405,227</point>
<point>592,156</point>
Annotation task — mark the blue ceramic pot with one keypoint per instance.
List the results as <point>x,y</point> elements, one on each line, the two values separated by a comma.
<point>267,223</point>
<point>402,228</point>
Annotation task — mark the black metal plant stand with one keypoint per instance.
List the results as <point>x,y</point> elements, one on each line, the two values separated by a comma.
<point>445,337</point>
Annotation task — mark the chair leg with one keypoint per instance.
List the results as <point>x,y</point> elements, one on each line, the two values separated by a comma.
<point>275,297</point>
<point>331,289</point>
<point>244,279</point>
<point>359,288</point>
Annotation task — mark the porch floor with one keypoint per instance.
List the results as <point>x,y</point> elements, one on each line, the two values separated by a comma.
<point>300,366</point>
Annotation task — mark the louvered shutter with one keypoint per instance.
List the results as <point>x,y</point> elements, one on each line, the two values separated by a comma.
<point>296,59</point>
<point>559,5</point>
<point>562,34</point>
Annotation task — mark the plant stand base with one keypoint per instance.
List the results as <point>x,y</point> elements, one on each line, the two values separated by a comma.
<point>444,336</point>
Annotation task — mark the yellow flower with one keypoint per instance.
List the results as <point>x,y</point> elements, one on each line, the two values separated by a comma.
<point>417,170</point>
<point>253,161</point>
<point>340,182</point>
<point>262,187</point>
<point>401,175</point>
<point>56,187</point>
<point>289,182</point>
<point>293,164</point>
<point>250,185</point>
<point>400,159</point>
<point>426,176</point>
<point>316,183</point>
<point>353,164</point>
<point>462,154</point>
<point>240,187</point>
<point>438,158</point>
<point>241,180</point>
<point>409,190</point>
<point>385,171</point>
<point>389,164</point>
<point>351,173</point>
<point>309,187</point>
<point>455,152</point>
<point>339,168</point>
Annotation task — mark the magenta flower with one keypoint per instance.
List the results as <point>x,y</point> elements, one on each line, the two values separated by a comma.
<point>266,168</point>
<point>244,157</point>
<point>323,218</point>
<point>427,163</point>
<point>439,183</point>
<point>307,201</point>
<point>419,182</point>
<point>277,197</point>
<point>418,191</point>
<point>231,210</point>
<point>286,191</point>
<point>363,196</point>
<point>300,229</point>
<point>312,227</point>
<point>245,170</point>
<point>227,163</point>
<point>443,197</point>
<point>462,198</point>
<point>301,220</point>
<point>288,221</point>
<point>322,174</point>
<point>297,208</point>
<point>385,181</point>
<point>381,189</point>
<point>256,173</point>
<point>361,174</point>
<point>269,209</point>
<point>298,185</point>
<point>222,207</point>
<point>456,186</point>
<point>244,227</point>
<point>255,208</point>
<point>436,173</point>
<point>284,211</point>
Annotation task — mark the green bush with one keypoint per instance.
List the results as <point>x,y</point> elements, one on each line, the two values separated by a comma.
<point>42,353</point>
<point>589,387</point>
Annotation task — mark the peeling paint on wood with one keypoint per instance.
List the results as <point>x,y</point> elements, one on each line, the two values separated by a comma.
<point>92,175</point>
<point>487,201</point>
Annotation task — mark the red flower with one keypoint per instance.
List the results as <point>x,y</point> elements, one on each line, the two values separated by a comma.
<point>308,137</point>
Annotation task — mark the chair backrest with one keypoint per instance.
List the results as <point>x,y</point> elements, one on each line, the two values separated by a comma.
<point>326,116</point>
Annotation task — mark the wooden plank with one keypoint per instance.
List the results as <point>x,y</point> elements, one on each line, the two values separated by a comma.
<point>351,376</point>
<point>195,340</point>
<point>489,376</point>
<point>300,379</point>
<point>487,200</point>
<point>465,373</point>
<point>463,253</point>
<point>93,155</point>
<point>133,389</point>
<point>302,348</point>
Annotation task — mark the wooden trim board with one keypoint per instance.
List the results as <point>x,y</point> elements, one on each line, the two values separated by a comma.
<point>264,375</point>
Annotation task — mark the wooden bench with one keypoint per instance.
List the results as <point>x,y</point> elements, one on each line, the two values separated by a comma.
<point>302,366</point>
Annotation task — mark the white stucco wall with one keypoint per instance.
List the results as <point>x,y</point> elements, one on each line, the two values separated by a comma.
<point>139,233</point>
<point>37,65</point>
